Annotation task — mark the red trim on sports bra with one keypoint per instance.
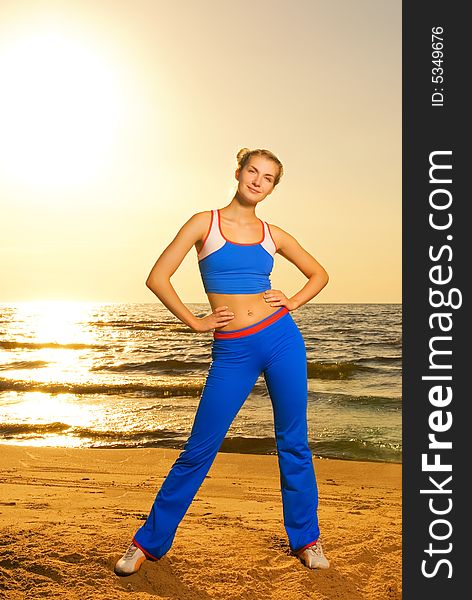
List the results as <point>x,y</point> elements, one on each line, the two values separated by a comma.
<point>270,233</point>
<point>207,234</point>
<point>240,243</point>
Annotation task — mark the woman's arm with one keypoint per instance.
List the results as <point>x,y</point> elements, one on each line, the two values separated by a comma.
<point>290,249</point>
<point>158,280</point>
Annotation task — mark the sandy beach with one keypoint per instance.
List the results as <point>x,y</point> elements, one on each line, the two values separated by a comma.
<point>68,514</point>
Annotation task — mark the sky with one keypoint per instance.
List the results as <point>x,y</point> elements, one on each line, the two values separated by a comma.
<point>120,119</point>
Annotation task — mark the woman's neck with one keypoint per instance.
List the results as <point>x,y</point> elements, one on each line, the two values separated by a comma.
<point>240,213</point>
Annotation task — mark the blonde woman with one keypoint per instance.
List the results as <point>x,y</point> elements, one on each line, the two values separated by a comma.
<point>253,333</point>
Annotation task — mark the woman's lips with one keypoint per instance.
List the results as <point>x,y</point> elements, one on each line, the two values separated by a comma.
<point>253,191</point>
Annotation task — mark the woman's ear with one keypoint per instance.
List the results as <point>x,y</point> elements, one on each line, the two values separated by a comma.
<point>236,174</point>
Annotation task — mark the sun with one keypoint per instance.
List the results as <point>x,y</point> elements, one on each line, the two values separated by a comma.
<point>60,108</point>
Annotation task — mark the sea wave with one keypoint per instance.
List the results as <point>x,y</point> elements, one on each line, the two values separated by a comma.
<point>377,402</point>
<point>344,448</point>
<point>163,366</point>
<point>144,325</point>
<point>40,429</point>
<point>358,449</point>
<point>176,440</point>
<point>8,430</point>
<point>396,341</point>
<point>40,345</point>
<point>334,370</point>
<point>161,390</point>
<point>380,359</point>
<point>23,364</point>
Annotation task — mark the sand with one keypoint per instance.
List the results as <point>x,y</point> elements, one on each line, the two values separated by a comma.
<point>68,514</point>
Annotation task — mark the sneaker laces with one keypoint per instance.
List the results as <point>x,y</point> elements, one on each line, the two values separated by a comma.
<point>316,549</point>
<point>130,552</point>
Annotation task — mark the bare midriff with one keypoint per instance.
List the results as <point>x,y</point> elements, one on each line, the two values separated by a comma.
<point>247,308</point>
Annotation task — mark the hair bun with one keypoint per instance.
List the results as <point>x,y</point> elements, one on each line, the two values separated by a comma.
<point>242,153</point>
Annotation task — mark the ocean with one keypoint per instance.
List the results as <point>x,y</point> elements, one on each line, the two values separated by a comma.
<point>130,376</point>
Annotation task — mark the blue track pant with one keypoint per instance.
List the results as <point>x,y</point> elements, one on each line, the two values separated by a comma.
<point>275,347</point>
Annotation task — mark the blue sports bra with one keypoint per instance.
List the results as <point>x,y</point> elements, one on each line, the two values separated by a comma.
<point>230,267</point>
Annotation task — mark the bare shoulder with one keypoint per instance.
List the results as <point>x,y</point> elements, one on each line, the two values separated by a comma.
<point>203,215</point>
<point>281,237</point>
<point>198,224</point>
<point>196,228</point>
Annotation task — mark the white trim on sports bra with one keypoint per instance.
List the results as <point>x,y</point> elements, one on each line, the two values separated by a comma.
<point>214,239</point>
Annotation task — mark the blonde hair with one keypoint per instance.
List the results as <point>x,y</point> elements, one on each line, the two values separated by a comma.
<point>245,154</point>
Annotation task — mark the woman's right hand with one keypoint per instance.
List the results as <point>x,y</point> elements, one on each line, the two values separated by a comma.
<point>220,317</point>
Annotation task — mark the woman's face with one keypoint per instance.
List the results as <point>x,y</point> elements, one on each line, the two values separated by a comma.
<point>256,178</point>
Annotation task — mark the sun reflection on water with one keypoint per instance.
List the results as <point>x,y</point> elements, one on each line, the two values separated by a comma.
<point>38,407</point>
<point>37,328</point>
<point>61,322</point>
<point>44,324</point>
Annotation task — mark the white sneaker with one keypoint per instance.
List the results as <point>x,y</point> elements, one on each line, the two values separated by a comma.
<point>313,557</point>
<point>130,562</point>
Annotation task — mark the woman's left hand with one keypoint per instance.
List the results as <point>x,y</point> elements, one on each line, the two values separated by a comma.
<point>277,298</point>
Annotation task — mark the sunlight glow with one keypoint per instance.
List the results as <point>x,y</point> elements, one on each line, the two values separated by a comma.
<point>59,322</point>
<point>56,321</point>
<point>37,407</point>
<point>60,109</point>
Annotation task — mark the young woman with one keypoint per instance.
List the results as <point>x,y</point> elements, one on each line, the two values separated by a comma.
<point>253,333</point>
